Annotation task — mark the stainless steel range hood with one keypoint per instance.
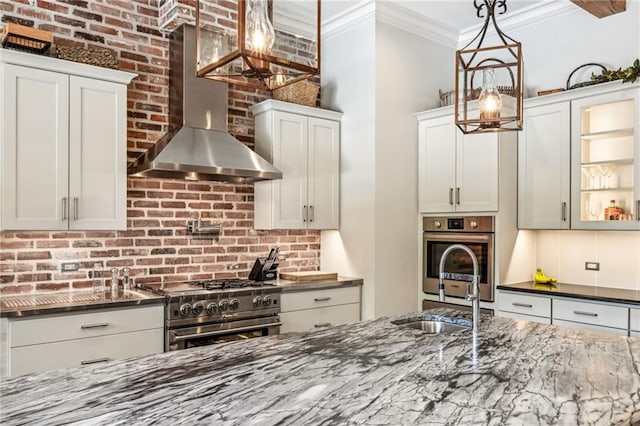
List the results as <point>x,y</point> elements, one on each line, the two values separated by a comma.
<point>199,147</point>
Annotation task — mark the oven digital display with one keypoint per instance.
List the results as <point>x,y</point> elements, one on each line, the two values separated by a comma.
<point>457,223</point>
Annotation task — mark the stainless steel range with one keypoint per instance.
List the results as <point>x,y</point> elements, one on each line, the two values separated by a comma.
<point>199,313</point>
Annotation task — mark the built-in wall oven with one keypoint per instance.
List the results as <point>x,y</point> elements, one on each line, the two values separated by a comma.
<point>476,232</point>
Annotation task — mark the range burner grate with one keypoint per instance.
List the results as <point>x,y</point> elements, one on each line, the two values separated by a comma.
<point>229,283</point>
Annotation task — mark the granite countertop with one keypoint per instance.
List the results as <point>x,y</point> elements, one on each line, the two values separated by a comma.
<point>23,305</point>
<point>604,294</point>
<point>371,372</point>
<point>318,285</point>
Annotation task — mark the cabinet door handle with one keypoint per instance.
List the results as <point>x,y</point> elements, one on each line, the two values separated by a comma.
<point>304,213</point>
<point>324,324</point>
<point>589,314</point>
<point>75,208</point>
<point>450,196</point>
<point>98,325</point>
<point>94,361</point>
<point>522,305</point>
<point>458,195</point>
<point>638,210</point>
<point>64,208</point>
<point>564,211</point>
<point>310,213</point>
<point>322,299</point>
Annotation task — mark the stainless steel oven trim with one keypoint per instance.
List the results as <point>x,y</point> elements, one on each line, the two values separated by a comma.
<point>176,337</point>
<point>486,289</point>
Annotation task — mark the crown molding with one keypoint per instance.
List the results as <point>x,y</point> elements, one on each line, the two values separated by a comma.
<point>535,14</point>
<point>346,20</point>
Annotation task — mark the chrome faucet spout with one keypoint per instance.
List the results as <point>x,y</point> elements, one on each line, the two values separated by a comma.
<point>473,294</point>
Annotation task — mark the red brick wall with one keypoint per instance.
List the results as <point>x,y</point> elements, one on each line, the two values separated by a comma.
<point>155,246</point>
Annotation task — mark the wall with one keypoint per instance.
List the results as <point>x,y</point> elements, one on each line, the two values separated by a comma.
<point>154,245</point>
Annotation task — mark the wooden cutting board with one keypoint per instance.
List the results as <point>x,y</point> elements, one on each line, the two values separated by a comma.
<point>306,276</point>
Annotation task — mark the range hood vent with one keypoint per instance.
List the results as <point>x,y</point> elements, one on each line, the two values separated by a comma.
<point>199,146</point>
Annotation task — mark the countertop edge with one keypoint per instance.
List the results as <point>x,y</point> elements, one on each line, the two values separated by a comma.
<point>560,293</point>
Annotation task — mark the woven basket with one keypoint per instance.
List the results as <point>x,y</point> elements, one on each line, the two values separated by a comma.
<point>100,57</point>
<point>300,92</point>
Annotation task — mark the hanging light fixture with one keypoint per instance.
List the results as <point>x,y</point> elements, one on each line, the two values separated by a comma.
<point>489,79</point>
<point>263,44</point>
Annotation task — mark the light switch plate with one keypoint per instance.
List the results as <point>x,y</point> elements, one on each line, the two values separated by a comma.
<point>592,266</point>
<point>70,267</point>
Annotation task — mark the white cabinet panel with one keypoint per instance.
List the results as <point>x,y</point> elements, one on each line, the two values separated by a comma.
<point>592,327</point>
<point>71,353</point>
<point>591,313</point>
<point>634,319</point>
<point>318,318</point>
<point>532,318</point>
<point>525,304</point>
<point>436,164</point>
<point>543,167</point>
<point>634,333</point>
<point>477,172</point>
<point>295,301</point>
<point>324,174</point>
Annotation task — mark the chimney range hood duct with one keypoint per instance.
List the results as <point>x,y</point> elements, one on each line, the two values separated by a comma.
<point>198,147</point>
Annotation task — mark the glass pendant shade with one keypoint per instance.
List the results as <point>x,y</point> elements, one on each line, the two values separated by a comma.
<point>488,91</point>
<point>263,44</point>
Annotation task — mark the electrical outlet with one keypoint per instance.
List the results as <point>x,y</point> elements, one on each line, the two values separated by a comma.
<point>282,256</point>
<point>69,267</point>
<point>592,266</point>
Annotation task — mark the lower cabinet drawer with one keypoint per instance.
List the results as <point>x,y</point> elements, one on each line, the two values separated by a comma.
<point>99,322</point>
<point>591,313</point>
<point>524,304</point>
<point>71,353</point>
<point>634,319</point>
<point>314,319</point>
<point>299,300</point>
<point>532,318</point>
<point>592,327</point>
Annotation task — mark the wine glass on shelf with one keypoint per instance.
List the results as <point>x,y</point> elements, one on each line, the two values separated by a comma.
<point>594,209</point>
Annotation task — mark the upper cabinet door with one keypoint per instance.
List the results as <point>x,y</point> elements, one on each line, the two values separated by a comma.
<point>323,174</point>
<point>97,151</point>
<point>605,166</point>
<point>290,142</point>
<point>543,168</point>
<point>476,172</point>
<point>437,165</point>
<point>34,155</point>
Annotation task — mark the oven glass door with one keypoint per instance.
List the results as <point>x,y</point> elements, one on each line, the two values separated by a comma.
<point>458,261</point>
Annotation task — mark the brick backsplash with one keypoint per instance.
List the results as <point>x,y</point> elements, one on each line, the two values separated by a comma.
<point>156,245</point>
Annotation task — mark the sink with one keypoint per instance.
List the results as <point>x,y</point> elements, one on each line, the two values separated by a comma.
<point>433,327</point>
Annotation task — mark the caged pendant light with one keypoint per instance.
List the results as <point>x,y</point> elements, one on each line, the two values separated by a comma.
<point>488,91</point>
<point>263,44</point>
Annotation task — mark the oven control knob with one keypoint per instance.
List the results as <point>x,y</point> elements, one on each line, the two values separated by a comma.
<point>257,302</point>
<point>185,309</point>
<point>474,224</point>
<point>223,305</point>
<point>234,304</point>
<point>212,308</point>
<point>437,224</point>
<point>266,301</point>
<point>197,308</point>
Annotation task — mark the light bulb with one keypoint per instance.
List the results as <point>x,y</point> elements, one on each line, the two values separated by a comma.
<point>260,36</point>
<point>489,101</point>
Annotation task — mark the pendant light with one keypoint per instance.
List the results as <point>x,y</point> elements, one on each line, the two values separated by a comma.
<point>263,44</point>
<point>488,89</point>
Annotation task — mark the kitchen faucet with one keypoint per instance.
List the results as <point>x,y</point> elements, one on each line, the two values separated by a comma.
<point>474,297</point>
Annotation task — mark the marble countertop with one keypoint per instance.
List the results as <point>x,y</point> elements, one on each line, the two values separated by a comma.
<point>23,305</point>
<point>604,294</point>
<point>371,372</point>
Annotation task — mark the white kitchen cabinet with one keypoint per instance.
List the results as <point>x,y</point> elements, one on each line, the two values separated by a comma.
<point>524,306</point>
<point>64,138</point>
<point>304,143</point>
<point>605,164</point>
<point>456,172</point>
<point>591,315</point>
<point>316,309</point>
<point>48,342</point>
<point>543,167</point>
<point>634,321</point>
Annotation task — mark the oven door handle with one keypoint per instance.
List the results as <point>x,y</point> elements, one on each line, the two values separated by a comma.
<point>458,238</point>
<point>227,331</point>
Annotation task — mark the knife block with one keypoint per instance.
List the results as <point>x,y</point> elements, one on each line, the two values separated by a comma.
<point>262,271</point>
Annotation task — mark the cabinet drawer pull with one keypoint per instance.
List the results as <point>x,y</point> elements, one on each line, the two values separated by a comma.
<point>522,305</point>
<point>589,314</point>
<point>98,325</point>
<point>64,208</point>
<point>75,208</point>
<point>564,211</point>
<point>638,210</point>
<point>451,196</point>
<point>94,361</point>
<point>322,299</point>
<point>458,195</point>
<point>304,213</point>
<point>310,213</point>
<point>324,324</point>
